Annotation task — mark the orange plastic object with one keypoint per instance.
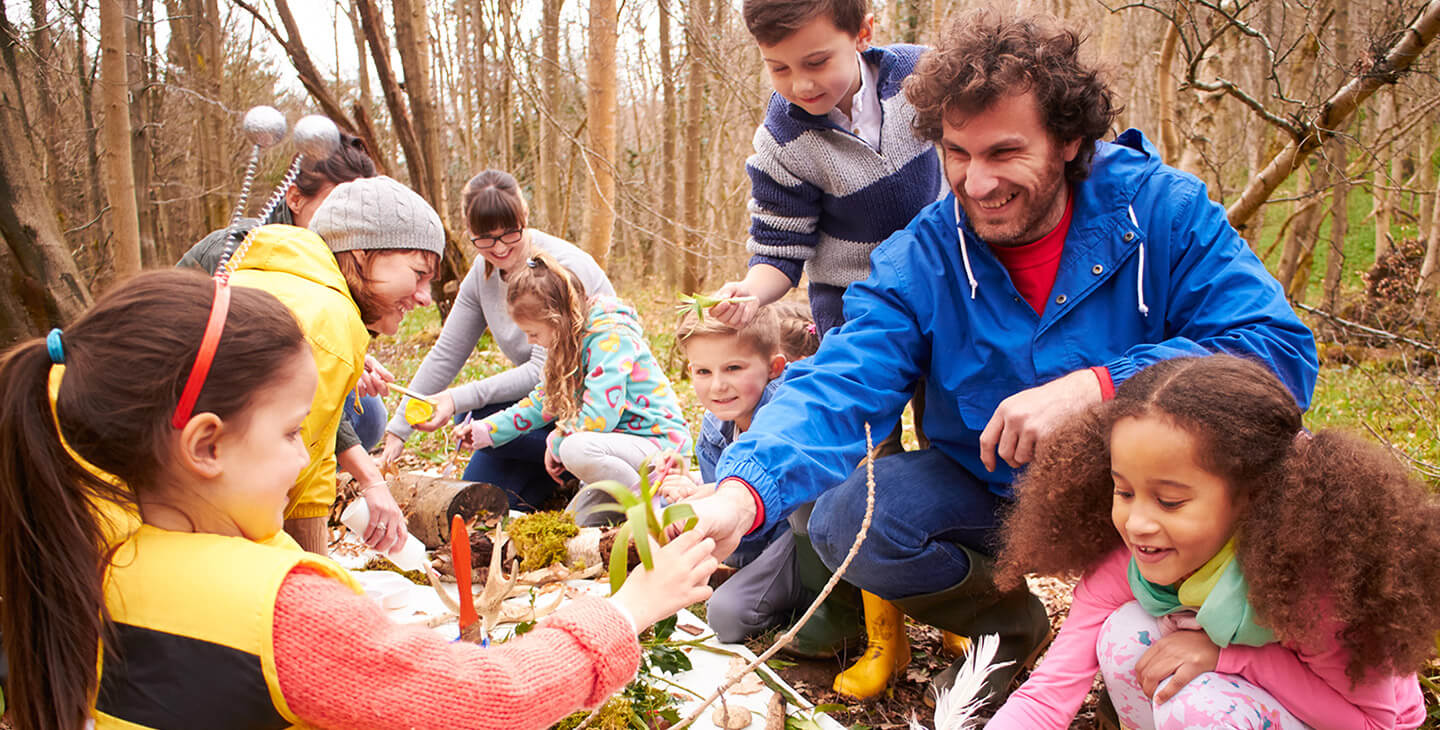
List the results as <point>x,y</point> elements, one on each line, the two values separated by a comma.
<point>460,555</point>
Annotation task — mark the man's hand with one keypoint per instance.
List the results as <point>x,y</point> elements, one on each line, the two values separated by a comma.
<point>373,380</point>
<point>724,516</point>
<point>1025,419</point>
<point>763,281</point>
<point>1182,655</point>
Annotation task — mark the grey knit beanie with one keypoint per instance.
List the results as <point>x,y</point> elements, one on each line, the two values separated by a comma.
<point>375,214</point>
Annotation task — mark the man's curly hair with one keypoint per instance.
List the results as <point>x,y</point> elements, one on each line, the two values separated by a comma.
<point>1334,530</point>
<point>983,56</point>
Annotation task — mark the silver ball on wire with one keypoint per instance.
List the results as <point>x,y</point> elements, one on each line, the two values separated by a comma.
<point>264,126</point>
<point>316,137</point>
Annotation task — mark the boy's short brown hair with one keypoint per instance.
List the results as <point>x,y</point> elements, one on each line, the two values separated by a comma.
<point>762,335</point>
<point>772,21</point>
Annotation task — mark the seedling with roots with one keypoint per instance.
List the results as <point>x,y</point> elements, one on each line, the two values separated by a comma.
<point>698,303</point>
<point>641,522</point>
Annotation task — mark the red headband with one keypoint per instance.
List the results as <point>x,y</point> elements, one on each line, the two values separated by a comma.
<point>208,344</point>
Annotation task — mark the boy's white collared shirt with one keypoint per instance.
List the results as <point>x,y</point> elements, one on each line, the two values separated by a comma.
<point>865,117</point>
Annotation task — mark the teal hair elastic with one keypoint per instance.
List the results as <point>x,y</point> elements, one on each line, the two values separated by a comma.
<point>54,347</point>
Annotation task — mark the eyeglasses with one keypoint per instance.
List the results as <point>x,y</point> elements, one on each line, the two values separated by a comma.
<point>509,238</point>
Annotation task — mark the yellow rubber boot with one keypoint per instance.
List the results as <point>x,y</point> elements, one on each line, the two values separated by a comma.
<point>954,645</point>
<point>886,655</point>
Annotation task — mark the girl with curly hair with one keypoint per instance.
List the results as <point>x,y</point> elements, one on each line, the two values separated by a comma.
<point>1238,571</point>
<point>609,399</point>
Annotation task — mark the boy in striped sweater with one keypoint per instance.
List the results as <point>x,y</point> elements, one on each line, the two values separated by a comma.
<point>836,168</point>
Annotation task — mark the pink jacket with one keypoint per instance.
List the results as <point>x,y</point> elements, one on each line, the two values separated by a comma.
<point>343,664</point>
<point>1311,685</point>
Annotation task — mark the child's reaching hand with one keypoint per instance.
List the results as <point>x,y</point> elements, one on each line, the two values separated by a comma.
<point>472,436</point>
<point>680,578</point>
<point>679,487</point>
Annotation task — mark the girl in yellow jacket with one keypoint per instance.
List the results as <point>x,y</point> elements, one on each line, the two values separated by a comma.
<point>366,259</point>
<point>195,395</point>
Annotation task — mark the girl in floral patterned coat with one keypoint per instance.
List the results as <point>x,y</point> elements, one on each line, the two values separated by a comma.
<point>610,400</point>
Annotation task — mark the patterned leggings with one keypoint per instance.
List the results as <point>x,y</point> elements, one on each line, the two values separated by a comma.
<point>1211,700</point>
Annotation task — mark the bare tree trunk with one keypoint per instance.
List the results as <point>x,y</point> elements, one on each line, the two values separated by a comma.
<point>142,119</point>
<point>119,174</point>
<point>600,110</point>
<point>360,56</point>
<point>670,132</point>
<point>1384,178</point>
<point>1429,281</point>
<point>1426,178</point>
<point>85,74</point>
<point>548,192</point>
<point>694,276</point>
<point>49,122</point>
<point>1340,196</point>
<point>1336,111</point>
<point>413,42</point>
<point>40,286</point>
<point>1165,94</point>
<point>1339,226</point>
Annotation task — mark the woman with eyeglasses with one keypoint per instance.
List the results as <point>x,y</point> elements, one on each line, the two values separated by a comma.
<point>496,217</point>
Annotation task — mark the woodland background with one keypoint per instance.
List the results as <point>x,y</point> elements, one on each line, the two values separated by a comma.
<point>1314,122</point>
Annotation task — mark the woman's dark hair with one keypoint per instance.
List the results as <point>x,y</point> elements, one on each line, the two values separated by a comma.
<point>126,361</point>
<point>983,55</point>
<point>492,202</point>
<point>350,162</point>
<point>1334,531</point>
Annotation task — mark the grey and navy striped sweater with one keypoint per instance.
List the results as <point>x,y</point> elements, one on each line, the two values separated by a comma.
<point>821,198</point>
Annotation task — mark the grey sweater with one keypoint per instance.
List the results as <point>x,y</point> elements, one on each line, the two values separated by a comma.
<point>480,305</point>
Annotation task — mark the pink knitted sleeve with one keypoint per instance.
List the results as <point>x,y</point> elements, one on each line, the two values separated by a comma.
<point>343,664</point>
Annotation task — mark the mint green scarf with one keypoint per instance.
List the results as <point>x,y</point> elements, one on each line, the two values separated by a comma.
<point>1217,592</point>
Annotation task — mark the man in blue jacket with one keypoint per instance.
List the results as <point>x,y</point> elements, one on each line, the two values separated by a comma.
<point>1057,267</point>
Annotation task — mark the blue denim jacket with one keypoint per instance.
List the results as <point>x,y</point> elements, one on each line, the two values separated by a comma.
<point>1151,270</point>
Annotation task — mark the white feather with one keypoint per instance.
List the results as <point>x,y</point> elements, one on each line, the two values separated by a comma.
<point>955,707</point>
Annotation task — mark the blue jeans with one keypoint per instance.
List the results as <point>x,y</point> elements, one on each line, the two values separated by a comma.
<point>370,425</point>
<point>518,467</point>
<point>925,503</point>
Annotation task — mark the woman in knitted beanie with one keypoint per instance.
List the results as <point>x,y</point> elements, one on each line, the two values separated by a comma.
<point>367,258</point>
<point>496,217</point>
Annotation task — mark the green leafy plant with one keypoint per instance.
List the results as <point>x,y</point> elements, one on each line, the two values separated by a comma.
<point>698,303</point>
<point>641,523</point>
<point>659,654</point>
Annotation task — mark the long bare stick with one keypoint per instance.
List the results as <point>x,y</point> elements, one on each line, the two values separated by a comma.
<point>824,592</point>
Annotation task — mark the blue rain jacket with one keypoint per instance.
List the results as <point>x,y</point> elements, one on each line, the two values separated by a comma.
<point>1151,270</point>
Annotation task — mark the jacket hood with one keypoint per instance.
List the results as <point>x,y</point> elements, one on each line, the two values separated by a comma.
<point>1117,171</point>
<point>295,251</point>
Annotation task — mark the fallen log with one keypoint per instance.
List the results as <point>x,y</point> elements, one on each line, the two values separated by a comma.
<point>430,502</point>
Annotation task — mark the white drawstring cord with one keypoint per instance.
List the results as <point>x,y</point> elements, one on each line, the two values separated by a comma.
<point>1139,275</point>
<point>965,253</point>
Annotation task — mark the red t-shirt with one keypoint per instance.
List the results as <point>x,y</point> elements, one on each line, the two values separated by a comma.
<point>1033,266</point>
